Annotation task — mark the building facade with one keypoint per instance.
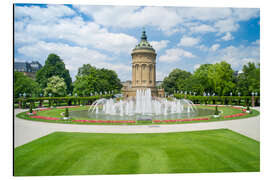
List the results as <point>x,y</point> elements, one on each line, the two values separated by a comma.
<point>143,69</point>
<point>29,69</point>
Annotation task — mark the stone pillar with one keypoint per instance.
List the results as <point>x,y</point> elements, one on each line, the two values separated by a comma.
<point>148,75</point>
<point>140,68</point>
<point>133,75</point>
<point>154,75</point>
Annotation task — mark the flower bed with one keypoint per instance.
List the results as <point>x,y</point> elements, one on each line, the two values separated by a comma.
<point>102,121</point>
<point>45,118</point>
<point>181,120</point>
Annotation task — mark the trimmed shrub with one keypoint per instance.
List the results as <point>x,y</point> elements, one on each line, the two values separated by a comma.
<point>66,113</point>
<point>216,110</point>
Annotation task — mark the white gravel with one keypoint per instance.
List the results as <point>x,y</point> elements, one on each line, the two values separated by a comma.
<point>26,131</point>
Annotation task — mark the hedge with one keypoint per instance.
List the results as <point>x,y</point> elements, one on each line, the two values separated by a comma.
<point>57,101</point>
<point>225,100</point>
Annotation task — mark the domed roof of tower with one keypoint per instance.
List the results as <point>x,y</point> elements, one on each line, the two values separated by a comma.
<point>144,44</point>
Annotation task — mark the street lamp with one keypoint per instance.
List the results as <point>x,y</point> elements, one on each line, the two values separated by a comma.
<point>194,93</point>
<point>24,95</point>
<point>252,93</point>
<point>230,93</point>
<point>50,94</point>
<point>256,93</point>
<point>20,94</point>
<point>239,94</point>
<point>76,94</point>
<point>41,94</point>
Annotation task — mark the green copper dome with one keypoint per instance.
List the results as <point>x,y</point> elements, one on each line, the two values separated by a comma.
<point>144,44</point>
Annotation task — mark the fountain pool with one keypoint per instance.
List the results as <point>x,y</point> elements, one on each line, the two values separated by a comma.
<point>141,107</point>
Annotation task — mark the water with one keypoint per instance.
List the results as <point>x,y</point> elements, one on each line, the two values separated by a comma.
<point>142,105</point>
<point>83,114</point>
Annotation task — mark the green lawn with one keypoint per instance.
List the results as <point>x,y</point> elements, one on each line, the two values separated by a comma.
<point>226,110</point>
<point>63,153</point>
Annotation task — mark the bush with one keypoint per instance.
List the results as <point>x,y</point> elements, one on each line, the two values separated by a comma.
<point>216,110</point>
<point>31,108</point>
<point>66,112</point>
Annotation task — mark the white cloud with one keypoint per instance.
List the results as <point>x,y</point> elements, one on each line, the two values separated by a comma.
<point>243,14</point>
<point>160,75</point>
<point>228,36</point>
<point>158,45</point>
<point>208,19</point>
<point>237,56</point>
<point>175,54</point>
<point>202,28</point>
<point>188,41</point>
<point>257,42</point>
<point>227,25</point>
<point>42,14</point>
<point>202,47</point>
<point>132,16</point>
<point>196,66</point>
<point>76,30</point>
<point>214,47</point>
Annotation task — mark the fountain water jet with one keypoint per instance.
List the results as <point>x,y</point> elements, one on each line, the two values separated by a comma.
<point>142,104</point>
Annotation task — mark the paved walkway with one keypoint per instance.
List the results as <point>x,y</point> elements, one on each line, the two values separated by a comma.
<point>26,131</point>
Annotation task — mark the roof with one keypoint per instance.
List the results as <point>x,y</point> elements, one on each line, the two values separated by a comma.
<point>144,44</point>
<point>34,66</point>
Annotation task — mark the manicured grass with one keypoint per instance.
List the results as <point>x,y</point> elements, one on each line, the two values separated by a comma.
<point>63,153</point>
<point>225,111</point>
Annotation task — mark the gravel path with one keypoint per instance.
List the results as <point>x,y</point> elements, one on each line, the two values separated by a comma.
<point>26,131</point>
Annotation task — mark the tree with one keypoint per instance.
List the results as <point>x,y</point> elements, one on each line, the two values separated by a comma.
<point>220,77</point>
<point>249,80</point>
<point>177,80</point>
<point>24,84</point>
<point>54,66</point>
<point>56,86</point>
<point>201,78</point>
<point>90,80</point>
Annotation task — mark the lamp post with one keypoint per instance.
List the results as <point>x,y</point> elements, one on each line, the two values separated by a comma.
<point>40,101</point>
<point>230,93</point>
<point>239,94</point>
<point>24,95</point>
<point>253,99</point>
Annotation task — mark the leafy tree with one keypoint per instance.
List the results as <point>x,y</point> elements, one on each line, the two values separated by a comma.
<point>24,84</point>
<point>56,86</point>
<point>249,80</point>
<point>176,80</point>
<point>220,77</point>
<point>90,80</point>
<point>54,66</point>
<point>201,78</point>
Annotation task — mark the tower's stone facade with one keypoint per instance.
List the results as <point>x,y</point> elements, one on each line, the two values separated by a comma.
<point>143,69</point>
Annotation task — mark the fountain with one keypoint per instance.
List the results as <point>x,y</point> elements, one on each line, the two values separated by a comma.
<point>142,105</point>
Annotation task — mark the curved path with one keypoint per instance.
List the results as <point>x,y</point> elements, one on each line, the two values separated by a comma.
<point>26,131</point>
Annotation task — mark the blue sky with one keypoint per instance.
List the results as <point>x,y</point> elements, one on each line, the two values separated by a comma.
<point>104,36</point>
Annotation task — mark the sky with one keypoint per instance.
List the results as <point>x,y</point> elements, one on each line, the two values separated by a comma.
<point>104,36</point>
